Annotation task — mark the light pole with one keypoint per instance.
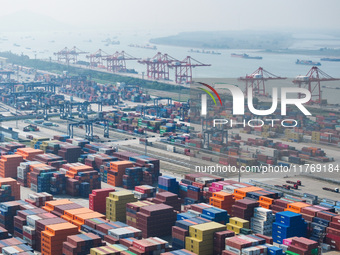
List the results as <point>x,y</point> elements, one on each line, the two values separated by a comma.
<point>146,143</point>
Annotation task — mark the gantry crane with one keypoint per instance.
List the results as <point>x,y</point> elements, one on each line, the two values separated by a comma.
<point>183,69</point>
<point>117,61</point>
<point>97,58</point>
<point>312,82</point>
<point>257,80</point>
<point>158,66</point>
<point>69,55</point>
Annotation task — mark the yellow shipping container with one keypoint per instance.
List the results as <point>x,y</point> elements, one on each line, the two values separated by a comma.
<point>239,222</point>
<point>234,228</point>
<point>116,205</point>
<point>198,246</point>
<point>206,230</point>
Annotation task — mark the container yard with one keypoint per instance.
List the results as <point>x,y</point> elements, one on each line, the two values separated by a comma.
<point>103,152</point>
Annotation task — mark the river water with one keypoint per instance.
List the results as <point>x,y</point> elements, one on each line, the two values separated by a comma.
<point>43,45</point>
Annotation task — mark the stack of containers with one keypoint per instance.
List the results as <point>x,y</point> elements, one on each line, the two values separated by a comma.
<point>125,232</point>
<point>11,146</point>
<point>3,233</point>
<point>6,193</point>
<point>98,148</point>
<point>194,195</point>
<point>242,192</point>
<point>166,183</point>
<point>53,236</point>
<point>8,211</point>
<point>70,215</point>
<point>168,198</point>
<point>51,159</point>
<point>144,191</point>
<point>27,217</point>
<point>222,200</point>
<point>151,168</point>
<point>28,153</point>
<point>280,205</point>
<point>69,152</point>
<point>59,210</point>
<point>22,248</point>
<point>318,220</point>
<point>28,232</point>
<point>39,199</point>
<point>245,244</point>
<point>237,225</point>
<point>152,246</point>
<point>133,176</point>
<point>117,170</point>
<point>156,220</point>
<point>179,252</point>
<point>97,200</point>
<point>79,219</point>
<point>23,172</point>
<point>288,224</point>
<point>40,178</point>
<point>199,207</point>
<point>219,240</point>
<point>47,158</point>
<point>216,214</point>
<point>301,245</point>
<point>181,230</point>
<point>201,237</point>
<point>266,202</point>
<point>116,205</point>
<point>308,213</point>
<point>36,142</point>
<point>81,244</point>
<point>61,138</point>
<point>244,208</point>
<point>102,227</point>
<point>58,183</point>
<point>132,209</point>
<point>262,222</point>
<point>98,160</point>
<point>296,207</point>
<point>333,233</point>
<point>88,179</point>
<point>40,225</point>
<point>112,249</point>
<point>9,164</point>
<point>14,187</point>
<point>50,205</point>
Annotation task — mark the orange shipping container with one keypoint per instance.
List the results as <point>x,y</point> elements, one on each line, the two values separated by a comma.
<point>49,206</point>
<point>244,191</point>
<point>296,207</point>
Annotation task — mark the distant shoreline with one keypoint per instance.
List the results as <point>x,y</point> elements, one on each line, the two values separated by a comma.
<point>322,53</point>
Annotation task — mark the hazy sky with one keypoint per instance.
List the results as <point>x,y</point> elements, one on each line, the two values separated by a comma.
<point>185,15</point>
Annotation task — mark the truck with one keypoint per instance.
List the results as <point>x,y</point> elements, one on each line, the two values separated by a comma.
<point>30,127</point>
<point>298,182</point>
<point>336,190</point>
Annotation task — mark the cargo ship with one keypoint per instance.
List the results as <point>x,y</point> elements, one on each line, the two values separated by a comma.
<point>246,56</point>
<point>147,46</point>
<point>205,52</point>
<point>307,62</point>
<point>330,59</point>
